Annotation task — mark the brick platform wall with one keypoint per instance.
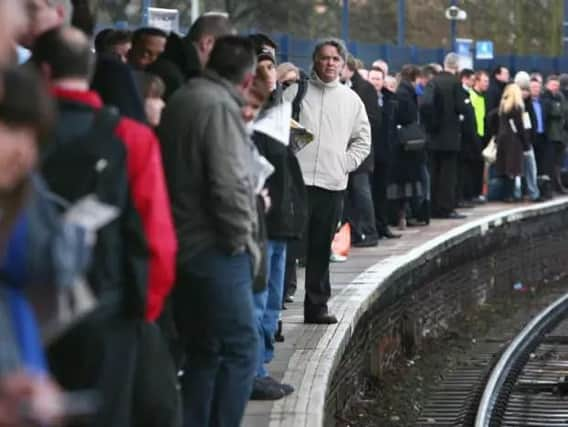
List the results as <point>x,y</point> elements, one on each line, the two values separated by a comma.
<point>422,299</point>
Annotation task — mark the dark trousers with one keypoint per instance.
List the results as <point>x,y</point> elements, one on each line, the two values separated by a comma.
<point>100,354</point>
<point>543,155</point>
<point>214,310</point>
<point>359,210</point>
<point>293,254</point>
<point>478,168</point>
<point>558,154</point>
<point>470,179</point>
<point>324,211</point>
<point>444,173</point>
<point>379,182</point>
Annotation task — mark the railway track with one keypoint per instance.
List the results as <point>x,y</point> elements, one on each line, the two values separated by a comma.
<point>520,381</point>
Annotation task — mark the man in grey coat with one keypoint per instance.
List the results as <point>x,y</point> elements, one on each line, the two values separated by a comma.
<point>337,117</point>
<point>207,157</point>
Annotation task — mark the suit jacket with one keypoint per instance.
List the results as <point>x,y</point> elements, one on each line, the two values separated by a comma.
<point>471,142</point>
<point>448,93</point>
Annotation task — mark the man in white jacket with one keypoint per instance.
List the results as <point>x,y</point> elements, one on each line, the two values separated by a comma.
<point>342,140</point>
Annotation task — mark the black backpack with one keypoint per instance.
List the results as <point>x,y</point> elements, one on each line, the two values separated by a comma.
<point>87,158</point>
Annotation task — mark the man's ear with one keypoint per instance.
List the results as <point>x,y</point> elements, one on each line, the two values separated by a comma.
<point>62,14</point>
<point>247,82</point>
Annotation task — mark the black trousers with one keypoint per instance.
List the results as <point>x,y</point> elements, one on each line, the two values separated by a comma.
<point>324,211</point>
<point>470,179</point>
<point>559,153</point>
<point>379,182</point>
<point>359,210</point>
<point>543,152</point>
<point>444,173</point>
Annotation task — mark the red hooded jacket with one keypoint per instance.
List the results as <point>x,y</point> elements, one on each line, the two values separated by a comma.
<point>150,197</point>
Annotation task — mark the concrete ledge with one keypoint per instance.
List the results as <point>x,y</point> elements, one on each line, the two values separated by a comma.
<point>311,367</point>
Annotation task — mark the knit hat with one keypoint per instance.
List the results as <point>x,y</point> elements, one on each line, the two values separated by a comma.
<point>265,53</point>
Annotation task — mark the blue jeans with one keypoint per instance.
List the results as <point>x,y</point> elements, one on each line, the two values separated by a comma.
<point>215,316</point>
<point>531,175</point>
<point>268,303</point>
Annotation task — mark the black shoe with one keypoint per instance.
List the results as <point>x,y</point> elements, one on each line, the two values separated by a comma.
<point>456,215</point>
<point>387,234</point>
<point>266,390</point>
<point>322,319</point>
<point>278,337</point>
<point>450,215</point>
<point>466,205</point>
<point>413,222</point>
<point>286,388</point>
<point>365,243</point>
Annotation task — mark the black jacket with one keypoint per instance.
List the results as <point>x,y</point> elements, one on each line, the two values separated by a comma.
<point>114,81</point>
<point>287,216</point>
<point>178,63</point>
<point>471,144</point>
<point>368,95</point>
<point>529,109</point>
<point>443,101</point>
<point>386,136</point>
<point>554,108</point>
<point>406,165</point>
<point>494,94</point>
<point>69,165</point>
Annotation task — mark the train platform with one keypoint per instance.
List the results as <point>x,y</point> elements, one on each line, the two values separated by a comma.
<point>310,353</point>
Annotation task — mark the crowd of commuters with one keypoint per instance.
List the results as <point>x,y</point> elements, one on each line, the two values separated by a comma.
<point>158,192</point>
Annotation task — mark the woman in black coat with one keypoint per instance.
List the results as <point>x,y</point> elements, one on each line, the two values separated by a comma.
<point>511,138</point>
<point>405,183</point>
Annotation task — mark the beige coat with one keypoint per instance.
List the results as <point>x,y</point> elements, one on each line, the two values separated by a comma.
<point>342,135</point>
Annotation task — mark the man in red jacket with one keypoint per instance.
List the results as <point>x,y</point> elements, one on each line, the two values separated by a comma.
<point>133,266</point>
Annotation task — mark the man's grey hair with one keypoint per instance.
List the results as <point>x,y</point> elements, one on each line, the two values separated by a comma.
<point>523,80</point>
<point>452,62</point>
<point>331,41</point>
<point>67,6</point>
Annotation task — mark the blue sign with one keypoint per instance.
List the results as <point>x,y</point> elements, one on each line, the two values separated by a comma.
<point>484,49</point>
<point>463,47</point>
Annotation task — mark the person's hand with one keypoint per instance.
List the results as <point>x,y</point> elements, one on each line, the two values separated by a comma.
<point>267,200</point>
<point>25,399</point>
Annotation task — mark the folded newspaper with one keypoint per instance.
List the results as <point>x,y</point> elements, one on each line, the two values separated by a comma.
<point>300,137</point>
<point>276,123</point>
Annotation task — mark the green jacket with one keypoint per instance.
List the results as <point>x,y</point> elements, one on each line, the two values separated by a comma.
<point>479,106</point>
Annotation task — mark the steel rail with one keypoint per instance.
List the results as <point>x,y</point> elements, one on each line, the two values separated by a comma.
<point>517,353</point>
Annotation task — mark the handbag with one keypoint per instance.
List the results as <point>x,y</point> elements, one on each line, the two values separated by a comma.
<point>489,153</point>
<point>411,137</point>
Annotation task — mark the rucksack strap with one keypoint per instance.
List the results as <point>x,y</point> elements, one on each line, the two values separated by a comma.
<point>300,95</point>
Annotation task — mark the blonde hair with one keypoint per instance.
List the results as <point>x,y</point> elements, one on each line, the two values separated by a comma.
<point>512,99</point>
<point>284,69</point>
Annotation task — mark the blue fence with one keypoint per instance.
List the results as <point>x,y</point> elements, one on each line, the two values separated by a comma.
<point>299,52</point>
